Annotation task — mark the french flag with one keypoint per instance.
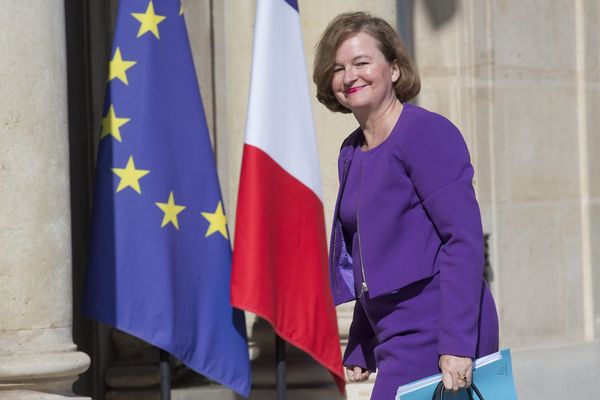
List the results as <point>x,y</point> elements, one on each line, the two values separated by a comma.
<point>280,252</point>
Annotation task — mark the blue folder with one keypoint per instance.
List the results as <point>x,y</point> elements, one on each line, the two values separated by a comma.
<point>492,375</point>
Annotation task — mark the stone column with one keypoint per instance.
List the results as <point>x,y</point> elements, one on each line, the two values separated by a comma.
<point>38,359</point>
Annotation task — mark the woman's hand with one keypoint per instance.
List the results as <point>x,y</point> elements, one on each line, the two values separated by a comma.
<point>457,372</point>
<point>357,374</point>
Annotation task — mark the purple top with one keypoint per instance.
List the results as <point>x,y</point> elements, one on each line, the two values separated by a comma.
<point>417,215</point>
<point>348,208</point>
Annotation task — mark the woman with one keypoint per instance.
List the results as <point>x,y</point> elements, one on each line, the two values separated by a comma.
<point>407,241</point>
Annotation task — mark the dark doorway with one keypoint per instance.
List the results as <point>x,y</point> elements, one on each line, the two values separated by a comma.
<point>88,40</point>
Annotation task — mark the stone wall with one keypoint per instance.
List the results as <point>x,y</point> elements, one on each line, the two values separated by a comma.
<point>521,81</point>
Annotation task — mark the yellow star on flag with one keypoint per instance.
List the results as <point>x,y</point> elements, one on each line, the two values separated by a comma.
<point>148,21</point>
<point>130,177</point>
<point>111,124</point>
<point>171,210</point>
<point>118,67</point>
<point>218,222</point>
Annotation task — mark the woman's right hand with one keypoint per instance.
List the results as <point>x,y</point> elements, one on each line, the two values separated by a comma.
<point>357,374</point>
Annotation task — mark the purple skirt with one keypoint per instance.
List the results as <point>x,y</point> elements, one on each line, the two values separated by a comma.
<point>407,351</point>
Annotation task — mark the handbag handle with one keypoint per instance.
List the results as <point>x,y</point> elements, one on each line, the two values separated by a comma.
<point>438,394</point>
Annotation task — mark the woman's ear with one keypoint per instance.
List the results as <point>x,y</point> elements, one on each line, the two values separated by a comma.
<point>395,72</point>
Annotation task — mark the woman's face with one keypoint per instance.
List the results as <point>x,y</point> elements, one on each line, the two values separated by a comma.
<point>362,77</point>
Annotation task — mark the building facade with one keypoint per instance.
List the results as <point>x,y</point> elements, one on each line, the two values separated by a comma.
<point>520,79</point>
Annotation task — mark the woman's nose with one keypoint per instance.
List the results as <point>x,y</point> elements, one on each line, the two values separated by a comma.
<point>349,76</point>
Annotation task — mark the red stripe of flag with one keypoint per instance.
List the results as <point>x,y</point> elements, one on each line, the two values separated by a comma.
<point>280,259</point>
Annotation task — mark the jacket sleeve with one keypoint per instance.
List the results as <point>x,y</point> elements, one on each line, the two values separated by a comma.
<point>436,159</point>
<point>361,341</point>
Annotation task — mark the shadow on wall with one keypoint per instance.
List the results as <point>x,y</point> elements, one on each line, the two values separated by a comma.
<point>440,12</point>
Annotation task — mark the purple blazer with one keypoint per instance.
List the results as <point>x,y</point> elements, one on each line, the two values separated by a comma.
<point>418,216</point>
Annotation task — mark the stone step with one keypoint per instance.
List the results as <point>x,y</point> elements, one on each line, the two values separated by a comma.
<point>355,392</point>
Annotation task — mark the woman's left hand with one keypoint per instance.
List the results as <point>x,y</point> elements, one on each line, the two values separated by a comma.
<point>457,372</point>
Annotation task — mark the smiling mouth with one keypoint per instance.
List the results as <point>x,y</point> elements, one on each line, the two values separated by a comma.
<point>354,89</point>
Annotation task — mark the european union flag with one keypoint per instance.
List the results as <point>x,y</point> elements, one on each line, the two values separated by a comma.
<point>160,258</point>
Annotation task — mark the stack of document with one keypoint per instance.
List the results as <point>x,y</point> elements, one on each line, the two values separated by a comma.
<point>492,375</point>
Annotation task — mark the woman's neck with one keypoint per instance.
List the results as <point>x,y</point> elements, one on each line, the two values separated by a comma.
<point>377,125</point>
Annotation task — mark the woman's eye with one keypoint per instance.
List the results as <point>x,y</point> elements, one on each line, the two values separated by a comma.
<point>337,69</point>
<point>362,63</point>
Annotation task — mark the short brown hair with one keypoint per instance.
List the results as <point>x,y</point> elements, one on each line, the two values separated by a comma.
<point>406,87</point>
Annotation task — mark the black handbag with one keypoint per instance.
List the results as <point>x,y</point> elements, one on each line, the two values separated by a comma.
<point>438,394</point>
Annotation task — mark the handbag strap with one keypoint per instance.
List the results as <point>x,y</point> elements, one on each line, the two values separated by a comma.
<point>438,394</point>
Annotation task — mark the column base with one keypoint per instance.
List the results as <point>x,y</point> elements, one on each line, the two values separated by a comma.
<point>33,395</point>
<point>45,375</point>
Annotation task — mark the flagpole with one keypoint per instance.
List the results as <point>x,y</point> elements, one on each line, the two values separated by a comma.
<point>165,375</point>
<point>280,367</point>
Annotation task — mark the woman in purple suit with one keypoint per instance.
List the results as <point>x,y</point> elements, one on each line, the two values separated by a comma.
<point>407,241</point>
